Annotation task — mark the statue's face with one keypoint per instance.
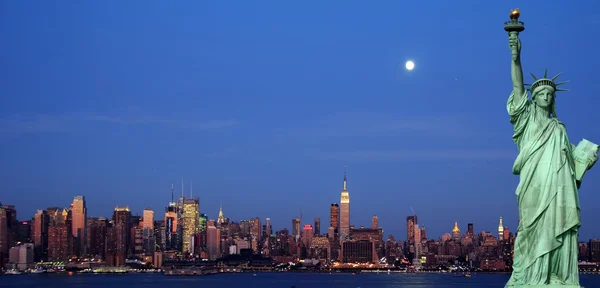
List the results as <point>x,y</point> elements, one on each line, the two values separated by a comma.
<point>544,97</point>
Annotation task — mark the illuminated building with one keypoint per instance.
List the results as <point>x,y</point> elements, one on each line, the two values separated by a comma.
<point>148,231</point>
<point>122,231</point>
<point>191,222</point>
<point>455,231</point>
<point>79,225</point>
<point>334,217</point>
<point>375,222</point>
<point>344,211</point>
<point>296,228</point>
<point>500,230</point>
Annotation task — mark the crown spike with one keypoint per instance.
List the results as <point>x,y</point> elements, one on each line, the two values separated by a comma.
<point>561,90</point>
<point>561,83</point>
<point>534,78</point>
<point>546,73</point>
<point>555,77</point>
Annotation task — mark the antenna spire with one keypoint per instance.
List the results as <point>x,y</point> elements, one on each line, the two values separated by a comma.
<point>172,192</point>
<point>345,182</point>
<point>181,186</point>
<point>191,189</point>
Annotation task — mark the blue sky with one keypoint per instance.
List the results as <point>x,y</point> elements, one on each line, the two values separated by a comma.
<point>262,103</point>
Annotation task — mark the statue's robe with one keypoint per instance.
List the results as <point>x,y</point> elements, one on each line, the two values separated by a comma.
<point>546,248</point>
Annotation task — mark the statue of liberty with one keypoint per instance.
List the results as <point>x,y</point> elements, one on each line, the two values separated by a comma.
<point>546,248</point>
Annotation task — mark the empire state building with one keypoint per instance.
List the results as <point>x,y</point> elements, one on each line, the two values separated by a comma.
<point>345,211</point>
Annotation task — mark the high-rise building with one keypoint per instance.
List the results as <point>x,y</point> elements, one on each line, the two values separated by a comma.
<point>12,225</point>
<point>470,230</point>
<point>411,221</point>
<point>203,222</point>
<point>40,235</point>
<point>255,229</point>
<point>97,236</point>
<point>296,228</point>
<point>375,222</point>
<point>122,234</point>
<point>267,229</point>
<point>345,211</point>
<point>4,249</point>
<point>60,241</point>
<point>455,231</point>
<point>334,217</point>
<point>317,226</point>
<point>307,235</point>
<point>148,231</point>
<point>500,230</point>
<point>79,225</point>
<point>221,218</point>
<point>191,222</point>
<point>213,240</point>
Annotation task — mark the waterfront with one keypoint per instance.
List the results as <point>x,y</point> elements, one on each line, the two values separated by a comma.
<point>248,280</point>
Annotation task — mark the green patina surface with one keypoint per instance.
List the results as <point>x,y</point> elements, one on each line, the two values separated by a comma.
<point>546,248</point>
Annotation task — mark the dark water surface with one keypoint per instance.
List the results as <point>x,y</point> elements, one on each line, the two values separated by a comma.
<point>267,280</point>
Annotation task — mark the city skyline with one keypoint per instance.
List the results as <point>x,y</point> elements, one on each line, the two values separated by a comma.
<point>261,105</point>
<point>374,220</point>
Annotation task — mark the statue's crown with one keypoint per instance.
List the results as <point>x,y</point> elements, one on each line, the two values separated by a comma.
<point>545,81</point>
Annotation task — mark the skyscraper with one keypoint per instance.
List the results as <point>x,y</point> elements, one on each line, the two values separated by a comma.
<point>148,231</point>
<point>122,232</point>
<point>79,225</point>
<point>296,228</point>
<point>317,226</point>
<point>39,235</point>
<point>344,211</point>
<point>171,222</point>
<point>334,217</point>
<point>411,221</point>
<point>501,230</point>
<point>4,247</point>
<point>191,221</point>
<point>375,222</point>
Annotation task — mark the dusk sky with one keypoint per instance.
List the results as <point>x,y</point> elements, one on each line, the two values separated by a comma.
<point>262,103</point>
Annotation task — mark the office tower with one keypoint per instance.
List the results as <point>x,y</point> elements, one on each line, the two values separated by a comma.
<point>317,226</point>
<point>79,225</point>
<point>307,235</point>
<point>344,211</point>
<point>411,221</point>
<point>60,238</point>
<point>213,240</point>
<point>334,217</point>
<point>203,222</point>
<point>122,231</point>
<point>3,236</point>
<point>296,228</point>
<point>171,223</point>
<point>500,230</point>
<point>148,231</point>
<point>97,230</point>
<point>375,222</point>
<point>267,229</point>
<point>456,231</point>
<point>470,230</point>
<point>191,222</point>
<point>12,224</point>
<point>221,218</point>
<point>40,235</point>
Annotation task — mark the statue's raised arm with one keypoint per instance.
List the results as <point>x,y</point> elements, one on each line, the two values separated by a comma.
<point>514,27</point>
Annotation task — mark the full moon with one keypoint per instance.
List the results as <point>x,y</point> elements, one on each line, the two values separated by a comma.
<point>410,65</point>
